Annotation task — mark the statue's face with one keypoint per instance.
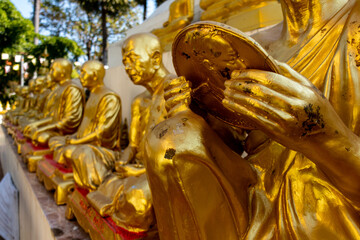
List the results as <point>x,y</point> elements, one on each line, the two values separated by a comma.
<point>56,72</point>
<point>32,85</point>
<point>39,84</point>
<point>48,81</point>
<point>137,62</point>
<point>25,91</point>
<point>87,76</point>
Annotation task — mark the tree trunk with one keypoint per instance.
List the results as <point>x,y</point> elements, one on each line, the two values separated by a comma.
<point>145,10</point>
<point>88,49</point>
<point>36,19</point>
<point>104,33</point>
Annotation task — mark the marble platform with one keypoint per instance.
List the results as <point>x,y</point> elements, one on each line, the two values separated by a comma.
<point>39,216</point>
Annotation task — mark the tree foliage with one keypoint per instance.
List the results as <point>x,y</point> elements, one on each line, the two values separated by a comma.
<point>66,18</point>
<point>16,37</point>
<point>16,33</point>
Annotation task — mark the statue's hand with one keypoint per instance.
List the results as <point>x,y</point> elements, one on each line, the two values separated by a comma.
<point>176,92</point>
<point>35,135</point>
<point>29,128</point>
<point>165,24</point>
<point>287,107</point>
<point>126,157</point>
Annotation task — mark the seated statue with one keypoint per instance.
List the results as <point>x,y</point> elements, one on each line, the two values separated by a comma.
<point>298,180</point>
<point>92,150</point>
<point>181,13</point>
<point>38,101</point>
<point>67,109</point>
<point>26,93</point>
<point>125,195</point>
<point>245,15</point>
<point>17,104</point>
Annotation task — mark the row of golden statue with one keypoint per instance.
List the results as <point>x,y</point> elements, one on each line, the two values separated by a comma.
<point>255,138</point>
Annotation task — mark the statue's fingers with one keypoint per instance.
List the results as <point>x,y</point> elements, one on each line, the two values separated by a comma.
<point>183,87</point>
<point>176,99</point>
<point>264,94</point>
<point>256,117</point>
<point>271,80</point>
<point>268,110</point>
<point>170,83</point>
<point>287,71</point>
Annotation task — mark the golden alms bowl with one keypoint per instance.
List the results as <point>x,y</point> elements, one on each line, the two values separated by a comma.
<point>206,53</point>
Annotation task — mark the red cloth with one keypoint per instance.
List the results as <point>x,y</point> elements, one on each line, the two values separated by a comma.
<point>125,234</point>
<point>60,167</point>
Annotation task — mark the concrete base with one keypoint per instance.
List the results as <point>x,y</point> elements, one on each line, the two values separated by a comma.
<point>39,216</point>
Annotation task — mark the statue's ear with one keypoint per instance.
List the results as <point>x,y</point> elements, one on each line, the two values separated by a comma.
<point>207,64</point>
<point>156,59</point>
<point>95,75</point>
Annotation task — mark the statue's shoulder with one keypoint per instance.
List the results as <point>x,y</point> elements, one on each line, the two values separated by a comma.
<point>108,93</point>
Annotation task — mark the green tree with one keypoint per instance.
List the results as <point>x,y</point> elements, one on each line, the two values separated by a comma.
<point>54,47</point>
<point>65,18</point>
<point>106,9</point>
<point>16,32</point>
<point>144,3</point>
<point>16,36</point>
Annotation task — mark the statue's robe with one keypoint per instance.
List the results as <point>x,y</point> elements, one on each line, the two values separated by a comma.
<point>196,195</point>
<point>66,111</point>
<point>127,200</point>
<point>93,161</point>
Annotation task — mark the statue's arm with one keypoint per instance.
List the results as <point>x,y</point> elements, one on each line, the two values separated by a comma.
<point>107,118</point>
<point>292,111</point>
<point>73,108</point>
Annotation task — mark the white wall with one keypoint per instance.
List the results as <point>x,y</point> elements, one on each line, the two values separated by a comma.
<point>116,77</point>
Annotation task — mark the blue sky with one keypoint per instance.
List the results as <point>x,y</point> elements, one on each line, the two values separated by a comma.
<point>24,6</point>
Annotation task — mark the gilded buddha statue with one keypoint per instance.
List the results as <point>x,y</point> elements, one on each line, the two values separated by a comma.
<point>66,110</point>
<point>181,13</point>
<point>17,104</point>
<point>245,15</point>
<point>37,102</point>
<point>93,149</point>
<point>298,176</point>
<point>125,195</point>
<point>27,99</point>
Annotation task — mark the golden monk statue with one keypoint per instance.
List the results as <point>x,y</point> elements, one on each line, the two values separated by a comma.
<point>18,104</point>
<point>299,178</point>
<point>28,99</point>
<point>37,103</point>
<point>181,13</point>
<point>92,150</point>
<point>66,110</point>
<point>125,195</point>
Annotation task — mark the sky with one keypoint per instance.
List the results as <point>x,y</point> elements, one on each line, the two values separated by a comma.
<point>25,7</point>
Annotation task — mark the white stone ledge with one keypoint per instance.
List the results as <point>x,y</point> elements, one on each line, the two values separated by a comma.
<point>39,217</point>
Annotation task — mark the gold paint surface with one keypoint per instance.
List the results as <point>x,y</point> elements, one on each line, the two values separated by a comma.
<point>297,178</point>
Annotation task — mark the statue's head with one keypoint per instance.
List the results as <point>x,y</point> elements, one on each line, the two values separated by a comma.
<point>92,74</point>
<point>32,85</point>
<point>39,83</point>
<point>18,90</point>
<point>142,57</point>
<point>60,70</point>
<point>24,91</point>
<point>48,81</point>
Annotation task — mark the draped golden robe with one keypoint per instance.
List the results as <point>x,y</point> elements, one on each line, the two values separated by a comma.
<point>66,110</point>
<point>93,161</point>
<point>36,112</point>
<point>128,200</point>
<point>197,193</point>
